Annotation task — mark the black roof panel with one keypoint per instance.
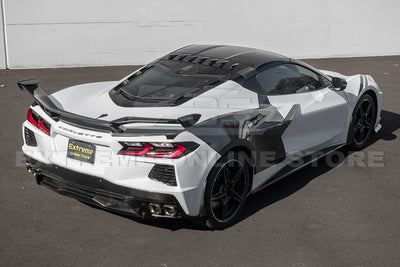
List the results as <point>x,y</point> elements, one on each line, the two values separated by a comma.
<point>237,60</point>
<point>245,56</point>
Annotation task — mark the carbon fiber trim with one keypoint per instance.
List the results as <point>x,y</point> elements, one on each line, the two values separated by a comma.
<point>259,130</point>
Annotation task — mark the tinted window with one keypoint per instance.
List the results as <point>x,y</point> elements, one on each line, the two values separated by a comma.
<point>326,82</point>
<point>289,79</point>
<point>253,85</point>
<point>166,85</point>
<point>158,82</point>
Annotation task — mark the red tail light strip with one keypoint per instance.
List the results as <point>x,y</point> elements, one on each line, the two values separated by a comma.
<point>38,121</point>
<point>165,153</point>
<point>137,151</point>
<point>149,150</point>
<point>33,118</point>
<point>42,125</point>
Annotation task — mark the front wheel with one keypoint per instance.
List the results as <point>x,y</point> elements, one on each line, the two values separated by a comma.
<point>226,190</point>
<point>363,121</point>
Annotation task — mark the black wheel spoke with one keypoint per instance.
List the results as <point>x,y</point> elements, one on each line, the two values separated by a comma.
<point>362,130</point>
<point>218,196</point>
<point>226,176</point>
<point>225,208</point>
<point>361,110</point>
<point>236,196</point>
<point>368,124</point>
<point>237,176</point>
<point>368,109</point>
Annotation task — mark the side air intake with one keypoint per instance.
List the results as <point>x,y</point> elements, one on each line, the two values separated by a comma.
<point>30,139</point>
<point>164,174</point>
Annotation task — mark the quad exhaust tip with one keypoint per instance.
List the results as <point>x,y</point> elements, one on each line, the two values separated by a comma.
<point>156,209</point>
<point>29,169</point>
<point>159,210</point>
<point>170,210</point>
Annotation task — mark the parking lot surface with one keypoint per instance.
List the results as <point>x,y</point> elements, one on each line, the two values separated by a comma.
<point>342,215</point>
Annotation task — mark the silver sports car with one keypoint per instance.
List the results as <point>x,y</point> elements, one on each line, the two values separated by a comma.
<point>194,133</point>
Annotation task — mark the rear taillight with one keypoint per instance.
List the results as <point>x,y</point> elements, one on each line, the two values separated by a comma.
<point>158,150</point>
<point>33,117</point>
<point>44,125</point>
<point>173,152</point>
<point>38,121</point>
<point>137,149</point>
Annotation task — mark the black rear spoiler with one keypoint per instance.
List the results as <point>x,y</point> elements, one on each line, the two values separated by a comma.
<point>32,87</point>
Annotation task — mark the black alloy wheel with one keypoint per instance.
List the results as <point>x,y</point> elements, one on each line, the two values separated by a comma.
<point>226,190</point>
<point>363,122</point>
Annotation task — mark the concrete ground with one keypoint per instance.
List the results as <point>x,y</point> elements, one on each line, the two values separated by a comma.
<point>347,215</point>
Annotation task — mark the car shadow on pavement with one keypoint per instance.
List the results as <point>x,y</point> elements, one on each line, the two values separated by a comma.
<point>390,122</point>
<point>292,183</point>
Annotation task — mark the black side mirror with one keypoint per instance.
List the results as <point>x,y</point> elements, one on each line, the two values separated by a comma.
<point>339,83</point>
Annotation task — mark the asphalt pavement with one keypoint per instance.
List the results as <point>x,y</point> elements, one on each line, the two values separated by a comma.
<point>341,214</point>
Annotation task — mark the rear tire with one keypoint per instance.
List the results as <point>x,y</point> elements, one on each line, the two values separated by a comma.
<point>362,123</point>
<point>226,190</point>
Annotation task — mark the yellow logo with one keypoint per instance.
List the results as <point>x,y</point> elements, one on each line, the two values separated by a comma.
<point>80,149</point>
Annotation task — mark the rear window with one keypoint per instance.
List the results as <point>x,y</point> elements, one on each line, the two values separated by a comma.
<point>166,85</point>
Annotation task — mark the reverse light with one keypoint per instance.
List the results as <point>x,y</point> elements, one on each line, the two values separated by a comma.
<point>162,145</point>
<point>158,150</point>
<point>38,121</point>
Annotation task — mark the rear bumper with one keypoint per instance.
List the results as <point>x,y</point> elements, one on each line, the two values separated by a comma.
<point>126,171</point>
<point>100,192</point>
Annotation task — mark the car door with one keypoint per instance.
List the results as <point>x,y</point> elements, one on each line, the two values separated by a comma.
<point>323,113</point>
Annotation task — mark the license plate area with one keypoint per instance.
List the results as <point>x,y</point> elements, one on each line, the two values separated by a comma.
<point>81,151</point>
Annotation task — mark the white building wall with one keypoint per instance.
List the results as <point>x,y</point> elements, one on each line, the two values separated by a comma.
<point>54,33</point>
<point>2,52</point>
